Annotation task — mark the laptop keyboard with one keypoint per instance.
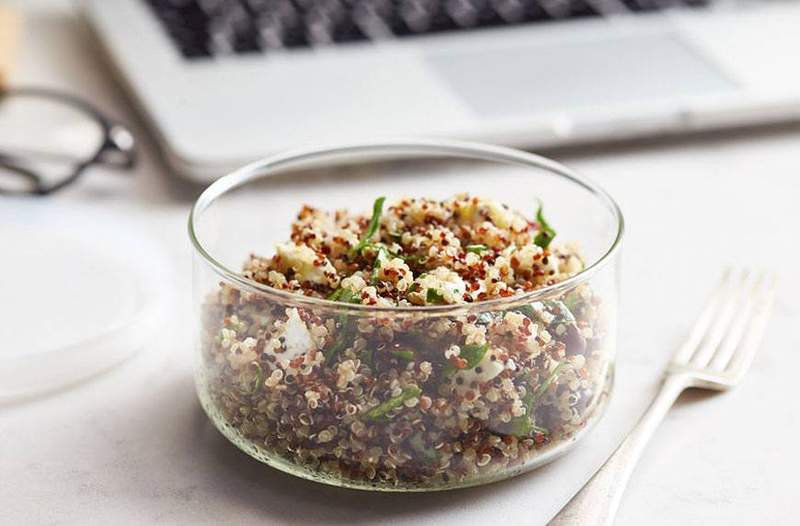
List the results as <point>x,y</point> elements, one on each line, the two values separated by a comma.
<point>206,28</point>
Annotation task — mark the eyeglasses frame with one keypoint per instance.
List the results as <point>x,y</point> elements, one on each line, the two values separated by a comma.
<point>116,150</point>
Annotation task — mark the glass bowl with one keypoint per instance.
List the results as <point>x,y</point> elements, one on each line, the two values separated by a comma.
<point>369,402</point>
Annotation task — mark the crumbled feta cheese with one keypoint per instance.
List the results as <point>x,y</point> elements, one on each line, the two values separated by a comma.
<point>452,352</point>
<point>307,265</point>
<point>500,215</point>
<point>354,283</point>
<point>486,370</point>
<point>445,283</point>
<point>297,337</point>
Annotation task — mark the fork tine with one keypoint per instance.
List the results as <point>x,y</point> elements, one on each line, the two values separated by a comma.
<point>686,350</point>
<point>740,361</point>
<point>719,328</point>
<point>739,323</point>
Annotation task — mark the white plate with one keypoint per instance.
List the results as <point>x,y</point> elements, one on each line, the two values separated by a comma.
<point>80,290</point>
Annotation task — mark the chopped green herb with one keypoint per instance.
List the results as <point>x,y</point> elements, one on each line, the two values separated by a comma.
<point>559,309</point>
<point>414,259</point>
<point>414,286</point>
<point>473,354</point>
<point>334,296</point>
<point>338,346</point>
<point>523,425</point>
<point>546,232</point>
<point>378,412</point>
<point>381,257</point>
<point>434,297</point>
<point>259,380</point>
<point>571,300</point>
<point>377,210</point>
<point>404,355</point>
<point>526,310</point>
<point>476,249</point>
<point>343,295</point>
<point>544,386</point>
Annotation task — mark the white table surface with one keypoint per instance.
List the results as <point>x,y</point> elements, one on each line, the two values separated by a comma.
<point>132,446</point>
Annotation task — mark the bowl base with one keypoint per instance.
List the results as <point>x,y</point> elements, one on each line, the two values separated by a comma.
<point>544,456</point>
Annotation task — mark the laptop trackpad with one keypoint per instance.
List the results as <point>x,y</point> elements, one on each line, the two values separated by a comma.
<point>561,76</point>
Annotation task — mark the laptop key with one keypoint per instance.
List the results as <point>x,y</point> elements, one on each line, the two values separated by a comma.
<point>233,31</point>
<point>374,18</point>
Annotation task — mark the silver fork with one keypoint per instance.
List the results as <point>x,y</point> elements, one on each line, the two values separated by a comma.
<point>718,352</point>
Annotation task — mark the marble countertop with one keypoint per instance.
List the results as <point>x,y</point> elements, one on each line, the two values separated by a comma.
<point>133,446</point>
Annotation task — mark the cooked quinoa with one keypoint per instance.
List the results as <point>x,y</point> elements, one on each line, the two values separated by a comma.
<point>394,398</point>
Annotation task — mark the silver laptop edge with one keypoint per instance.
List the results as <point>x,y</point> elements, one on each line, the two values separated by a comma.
<point>533,86</point>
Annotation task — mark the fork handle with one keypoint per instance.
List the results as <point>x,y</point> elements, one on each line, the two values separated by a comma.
<point>597,502</point>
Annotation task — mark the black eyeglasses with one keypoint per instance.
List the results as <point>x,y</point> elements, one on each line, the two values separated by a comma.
<point>48,139</point>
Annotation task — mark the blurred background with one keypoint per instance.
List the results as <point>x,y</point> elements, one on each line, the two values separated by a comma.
<point>115,114</point>
<point>214,84</point>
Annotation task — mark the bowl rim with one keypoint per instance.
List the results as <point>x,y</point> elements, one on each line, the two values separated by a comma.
<point>261,168</point>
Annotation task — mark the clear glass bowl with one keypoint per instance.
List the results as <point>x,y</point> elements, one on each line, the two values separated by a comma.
<point>392,418</point>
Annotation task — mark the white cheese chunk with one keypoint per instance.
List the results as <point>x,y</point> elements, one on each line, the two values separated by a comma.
<point>486,370</point>
<point>500,216</point>
<point>301,258</point>
<point>297,338</point>
<point>445,282</point>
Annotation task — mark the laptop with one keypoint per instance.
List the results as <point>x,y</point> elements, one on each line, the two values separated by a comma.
<point>223,82</point>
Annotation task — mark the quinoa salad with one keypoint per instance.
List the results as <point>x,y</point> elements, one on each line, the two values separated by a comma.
<point>398,396</point>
